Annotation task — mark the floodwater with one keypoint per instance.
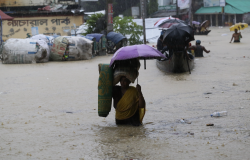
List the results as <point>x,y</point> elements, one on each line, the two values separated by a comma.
<point>49,111</point>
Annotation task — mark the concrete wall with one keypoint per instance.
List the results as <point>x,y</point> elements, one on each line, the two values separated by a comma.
<point>19,3</point>
<point>20,27</point>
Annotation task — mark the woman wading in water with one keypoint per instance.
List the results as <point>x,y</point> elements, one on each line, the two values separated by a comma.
<point>129,103</point>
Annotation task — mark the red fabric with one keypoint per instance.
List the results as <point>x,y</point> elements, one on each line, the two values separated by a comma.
<point>167,25</point>
<point>47,8</point>
<point>165,18</point>
<point>5,16</point>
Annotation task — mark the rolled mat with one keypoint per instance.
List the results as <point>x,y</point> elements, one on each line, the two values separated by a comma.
<point>105,86</point>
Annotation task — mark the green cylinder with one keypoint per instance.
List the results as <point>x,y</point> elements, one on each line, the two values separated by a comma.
<point>105,86</point>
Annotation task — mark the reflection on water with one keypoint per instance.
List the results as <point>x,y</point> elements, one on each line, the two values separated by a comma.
<point>122,141</point>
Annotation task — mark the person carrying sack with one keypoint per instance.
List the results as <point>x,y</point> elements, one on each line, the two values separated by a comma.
<point>129,103</point>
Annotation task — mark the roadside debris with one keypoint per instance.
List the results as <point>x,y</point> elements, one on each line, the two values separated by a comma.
<point>219,114</point>
<point>235,84</point>
<point>190,133</point>
<point>185,121</point>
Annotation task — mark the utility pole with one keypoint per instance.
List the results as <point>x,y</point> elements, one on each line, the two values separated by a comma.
<point>143,19</point>
<point>190,14</point>
<point>109,15</point>
<point>223,16</point>
<point>222,4</point>
<point>177,9</point>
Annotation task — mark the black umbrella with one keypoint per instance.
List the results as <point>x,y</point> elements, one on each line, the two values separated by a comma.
<point>178,35</point>
<point>169,22</point>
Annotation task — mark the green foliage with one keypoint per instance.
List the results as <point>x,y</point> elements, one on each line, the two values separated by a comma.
<point>127,27</point>
<point>91,23</point>
<point>152,6</point>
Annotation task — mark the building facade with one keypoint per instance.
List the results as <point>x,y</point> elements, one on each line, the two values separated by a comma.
<point>32,17</point>
<point>234,11</point>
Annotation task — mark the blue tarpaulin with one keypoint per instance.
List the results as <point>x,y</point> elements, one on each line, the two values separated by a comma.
<point>89,38</point>
<point>115,37</point>
<point>96,35</point>
<point>55,36</point>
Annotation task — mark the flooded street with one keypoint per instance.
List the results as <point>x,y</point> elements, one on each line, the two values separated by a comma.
<point>49,110</point>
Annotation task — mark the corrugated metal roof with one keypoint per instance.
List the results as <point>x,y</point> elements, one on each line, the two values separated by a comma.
<point>5,16</point>
<point>209,10</point>
<point>216,10</point>
<point>243,5</point>
<point>232,10</point>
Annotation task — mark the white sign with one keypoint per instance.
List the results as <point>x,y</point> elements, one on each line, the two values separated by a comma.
<point>34,31</point>
<point>183,4</point>
<point>135,11</point>
<point>222,3</point>
<point>211,3</point>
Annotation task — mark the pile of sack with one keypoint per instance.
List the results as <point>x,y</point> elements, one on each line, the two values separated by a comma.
<point>42,48</point>
<point>17,51</point>
<point>71,48</point>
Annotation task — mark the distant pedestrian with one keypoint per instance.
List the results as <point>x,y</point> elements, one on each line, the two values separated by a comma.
<point>198,49</point>
<point>236,36</point>
<point>165,50</point>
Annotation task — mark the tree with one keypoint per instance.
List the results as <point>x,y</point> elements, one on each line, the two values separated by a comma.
<point>128,28</point>
<point>152,6</point>
<point>93,23</point>
<point>125,26</point>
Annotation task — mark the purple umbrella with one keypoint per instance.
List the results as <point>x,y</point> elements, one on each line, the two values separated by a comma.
<point>136,51</point>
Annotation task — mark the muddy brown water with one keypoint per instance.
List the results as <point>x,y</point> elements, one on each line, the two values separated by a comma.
<point>49,111</point>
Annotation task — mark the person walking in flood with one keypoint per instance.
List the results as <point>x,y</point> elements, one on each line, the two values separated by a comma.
<point>129,103</point>
<point>236,36</point>
<point>198,49</point>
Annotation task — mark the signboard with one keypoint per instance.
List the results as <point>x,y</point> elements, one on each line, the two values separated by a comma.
<point>142,9</point>
<point>169,7</point>
<point>110,8</point>
<point>135,11</point>
<point>110,13</point>
<point>211,3</point>
<point>183,4</point>
<point>110,17</point>
<point>222,3</point>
